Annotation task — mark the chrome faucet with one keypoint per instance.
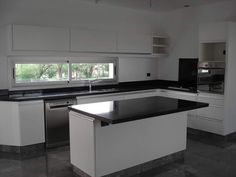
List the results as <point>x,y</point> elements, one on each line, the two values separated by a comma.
<point>91,82</point>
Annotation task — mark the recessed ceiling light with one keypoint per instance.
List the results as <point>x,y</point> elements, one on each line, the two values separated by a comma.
<point>186,5</point>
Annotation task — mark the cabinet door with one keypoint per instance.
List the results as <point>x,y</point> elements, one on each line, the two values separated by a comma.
<point>31,115</point>
<point>141,94</point>
<point>98,98</point>
<point>215,109</point>
<point>184,96</point>
<point>35,38</point>
<point>213,32</point>
<point>162,92</point>
<point>210,119</point>
<point>92,41</point>
<point>134,43</point>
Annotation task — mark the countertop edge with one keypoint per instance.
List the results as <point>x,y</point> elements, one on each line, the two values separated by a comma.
<point>128,119</point>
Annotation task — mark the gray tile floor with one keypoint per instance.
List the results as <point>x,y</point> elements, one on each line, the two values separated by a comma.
<point>201,160</point>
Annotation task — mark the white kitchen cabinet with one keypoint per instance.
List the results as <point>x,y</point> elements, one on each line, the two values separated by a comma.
<point>177,94</point>
<point>31,115</point>
<point>22,123</point>
<point>162,92</point>
<point>134,43</point>
<point>213,32</point>
<point>37,38</point>
<point>115,96</point>
<point>140,94</point>
<point>216,106</point>
<point>99,98</point>
<point>92,41</point>
<point>211,118</point>
<point>207,124</point>
<point>208,119</point>
<point>181,95</point>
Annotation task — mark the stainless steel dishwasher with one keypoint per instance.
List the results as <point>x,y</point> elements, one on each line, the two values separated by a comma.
<point>57,122</point>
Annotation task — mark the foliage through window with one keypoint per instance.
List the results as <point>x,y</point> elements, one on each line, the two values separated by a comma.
<point>30,73</point>
<point>26,74</point>
<point>90,71</point>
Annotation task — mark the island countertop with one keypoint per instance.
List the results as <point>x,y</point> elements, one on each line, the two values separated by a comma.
<point>114,112</point>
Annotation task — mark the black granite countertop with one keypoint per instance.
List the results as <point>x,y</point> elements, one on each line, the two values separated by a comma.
<point>62,93</point>
<point>113,112</point>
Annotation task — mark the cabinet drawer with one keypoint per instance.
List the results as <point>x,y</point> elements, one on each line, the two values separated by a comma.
<point>211,112</point>
<point>99,99</point>
<point>211,101</point>
<point>140,95</point>
<point>208,125</point>
<point>183,97</point>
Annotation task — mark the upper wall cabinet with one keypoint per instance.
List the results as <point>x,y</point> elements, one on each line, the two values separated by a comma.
<point>36,38</point>
<point>28,40</point>
<point>92,41</point>
<point>134,43</point>
<point>213,32</point>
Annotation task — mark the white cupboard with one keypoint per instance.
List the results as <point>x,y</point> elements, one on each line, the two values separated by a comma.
<point>210,119</point>
<point>31,115</point>
<point>37,38</point>
<point>115,96</point>
<point>134,43</point>
<point>213,32</point>
<point>41,40</point>
<point>22,123</point>
<point>92,41</point>
<point>99,98</point>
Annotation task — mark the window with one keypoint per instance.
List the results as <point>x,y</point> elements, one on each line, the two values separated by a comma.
<point>90,71</point>
<point>47,72</point>
<point>41,72</point>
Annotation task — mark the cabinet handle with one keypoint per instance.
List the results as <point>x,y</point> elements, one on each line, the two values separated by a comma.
<point>13,73</point>
<point>115,70</point>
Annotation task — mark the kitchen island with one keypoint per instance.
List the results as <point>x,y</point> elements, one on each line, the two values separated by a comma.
<point>126,137</point>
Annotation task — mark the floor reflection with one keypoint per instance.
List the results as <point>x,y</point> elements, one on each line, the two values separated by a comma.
<point>201,160</point>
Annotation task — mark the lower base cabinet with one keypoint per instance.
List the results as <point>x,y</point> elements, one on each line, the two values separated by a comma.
<point>115,96</point>
<point>210,119</point>
<point>22,123</point>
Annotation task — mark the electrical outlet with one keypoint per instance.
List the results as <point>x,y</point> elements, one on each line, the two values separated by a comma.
<point>148,74</point>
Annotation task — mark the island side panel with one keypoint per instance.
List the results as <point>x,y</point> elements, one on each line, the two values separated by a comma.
<point>82,143</point>
<point>124,145</point>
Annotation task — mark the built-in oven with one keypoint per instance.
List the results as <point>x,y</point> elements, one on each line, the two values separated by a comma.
<point>211,77</point>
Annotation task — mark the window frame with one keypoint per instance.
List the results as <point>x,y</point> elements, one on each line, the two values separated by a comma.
<point>58,84</point>
<point>95,60</point>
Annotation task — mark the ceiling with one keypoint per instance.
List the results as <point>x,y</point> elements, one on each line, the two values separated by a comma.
<point>155,5</point>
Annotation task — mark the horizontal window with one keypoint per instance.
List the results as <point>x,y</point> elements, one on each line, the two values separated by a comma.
<point>91,71</point>
<point>33,73</point>
<point>42,72</point>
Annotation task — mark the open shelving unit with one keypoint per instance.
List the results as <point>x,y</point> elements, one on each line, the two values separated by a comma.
<point>160,45</point>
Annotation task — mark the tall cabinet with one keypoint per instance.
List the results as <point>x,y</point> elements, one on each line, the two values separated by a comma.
<point>218,41</point>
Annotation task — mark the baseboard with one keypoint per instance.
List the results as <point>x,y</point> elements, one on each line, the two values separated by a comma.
<point>142,168</point>
<point>211,138</point>
<point>22,152</point>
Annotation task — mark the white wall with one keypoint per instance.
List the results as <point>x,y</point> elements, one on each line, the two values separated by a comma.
<point>180,25</point>
<point>85,15</point>
<point>3,59</point>
<point>230,94</point>
<point>135,69</point>
<point>182,28</point>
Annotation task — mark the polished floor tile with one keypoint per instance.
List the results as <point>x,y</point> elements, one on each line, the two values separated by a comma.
<point>201,160</point>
